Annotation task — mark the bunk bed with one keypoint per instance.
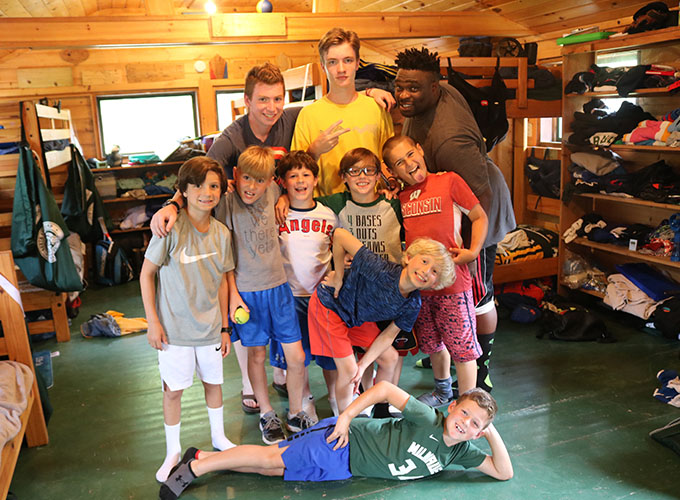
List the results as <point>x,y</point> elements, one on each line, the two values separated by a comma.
<point>519,108</point>
<point>14,344</point>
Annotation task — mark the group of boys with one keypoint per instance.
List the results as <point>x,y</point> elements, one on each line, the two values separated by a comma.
<point>279,272</point>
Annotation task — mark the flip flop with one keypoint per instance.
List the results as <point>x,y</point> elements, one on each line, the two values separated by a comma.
<point>282,389</point>
<point>249,409</point>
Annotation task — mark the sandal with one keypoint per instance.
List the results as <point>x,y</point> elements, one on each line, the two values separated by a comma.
<point>282,389</point>
<point>249,409</point>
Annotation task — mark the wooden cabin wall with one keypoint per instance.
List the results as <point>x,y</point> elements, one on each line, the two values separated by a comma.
<point>78,77</point>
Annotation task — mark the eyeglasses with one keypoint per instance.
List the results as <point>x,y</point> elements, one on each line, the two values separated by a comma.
<point>354,172</point>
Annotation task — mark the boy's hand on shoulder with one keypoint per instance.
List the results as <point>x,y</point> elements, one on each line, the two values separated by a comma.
<point>462,256</point>
<point>333,280</point>
<point>155,335</point>
<point>341,432</point>
<point>163,220</point>
<point>281,209</point>
<point>231,185</point>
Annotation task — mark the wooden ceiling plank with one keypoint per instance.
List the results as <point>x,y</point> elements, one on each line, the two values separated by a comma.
<point>74,8</point>
<point>57,8</point>
<point>104,5</point>
<point>580,9</point>
<point>90,6</point>
<point>159,7</point>
<point>80,32</point>
<point>585,20</point>
<point>36,8</point>
<point>12,8</point>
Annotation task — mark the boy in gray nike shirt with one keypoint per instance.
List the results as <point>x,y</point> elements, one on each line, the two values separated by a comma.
<point>187,313</point>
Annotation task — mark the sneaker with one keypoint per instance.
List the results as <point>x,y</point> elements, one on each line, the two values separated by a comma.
<point>271,427</point>
<point>424,363</point>
<point>435,400</point>
<point>300,422</point>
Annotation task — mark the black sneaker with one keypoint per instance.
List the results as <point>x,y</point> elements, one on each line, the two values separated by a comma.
<point>271,427</point>
<point>300,422</point>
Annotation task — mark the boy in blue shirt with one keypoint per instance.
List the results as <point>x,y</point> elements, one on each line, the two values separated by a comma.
<point>342,310</point>
<point>420,444</point>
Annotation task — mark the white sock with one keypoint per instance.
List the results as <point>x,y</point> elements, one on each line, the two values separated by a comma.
<point>219,440</point>
<point>173,452</point>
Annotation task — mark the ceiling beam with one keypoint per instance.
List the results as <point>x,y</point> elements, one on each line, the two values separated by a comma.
<point>245,28</point>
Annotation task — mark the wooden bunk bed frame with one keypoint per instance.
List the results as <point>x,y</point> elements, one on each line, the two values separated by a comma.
<point>517,109</point>
<point>15,345</point>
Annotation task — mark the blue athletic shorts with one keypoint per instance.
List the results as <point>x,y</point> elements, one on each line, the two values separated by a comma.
<point>308,457</point>
<point>276,355</point>
<point>272,316</point>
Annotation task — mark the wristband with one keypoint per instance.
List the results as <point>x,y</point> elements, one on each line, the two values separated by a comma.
<point>226,329</point>
<point>173,203</point>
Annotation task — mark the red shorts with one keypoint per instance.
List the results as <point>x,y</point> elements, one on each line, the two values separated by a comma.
<point>330,336</point>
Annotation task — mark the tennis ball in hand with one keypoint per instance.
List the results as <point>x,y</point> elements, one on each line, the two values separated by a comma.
<point>241,316</point>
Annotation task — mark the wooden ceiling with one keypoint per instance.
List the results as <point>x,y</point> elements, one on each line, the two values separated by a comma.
<point>548,19</point>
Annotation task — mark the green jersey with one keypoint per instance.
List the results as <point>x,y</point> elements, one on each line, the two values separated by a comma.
<point>407,448</point>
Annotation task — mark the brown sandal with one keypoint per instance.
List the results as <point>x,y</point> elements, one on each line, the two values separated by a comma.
<point>249,409</point>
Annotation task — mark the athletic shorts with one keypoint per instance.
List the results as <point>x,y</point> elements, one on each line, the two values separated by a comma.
<point>177,364</point>
<point>308,457</point>
<point>405,342</point>
<point>329,335</point>
<point>482,280</point>
<point>448,322</point>
<point>272,316</point>
<point>277,357</point>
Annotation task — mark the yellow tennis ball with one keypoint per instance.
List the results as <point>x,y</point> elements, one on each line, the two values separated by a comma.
<point>241,316</point>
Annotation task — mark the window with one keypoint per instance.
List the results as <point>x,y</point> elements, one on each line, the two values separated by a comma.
<point>147,123</point>
<point>550,130</point>
<point>224,100</point>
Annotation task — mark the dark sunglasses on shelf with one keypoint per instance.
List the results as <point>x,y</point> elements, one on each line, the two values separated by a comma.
<point>354,172</point>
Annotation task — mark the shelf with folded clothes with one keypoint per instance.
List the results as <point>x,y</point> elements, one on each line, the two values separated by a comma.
<point>651,92</point>
<point>133,199</point>
<point>131,167</point>
<point>630,201</point>
<point>620,250</point>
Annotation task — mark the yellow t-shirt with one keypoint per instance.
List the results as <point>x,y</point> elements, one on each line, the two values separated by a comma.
<point>370,126</point>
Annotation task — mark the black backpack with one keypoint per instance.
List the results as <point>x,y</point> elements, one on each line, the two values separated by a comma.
<point>486,103</point>
<point>543,176</point>
<point>573,322</point>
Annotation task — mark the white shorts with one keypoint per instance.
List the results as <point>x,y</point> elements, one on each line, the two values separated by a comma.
<point>177,364</point>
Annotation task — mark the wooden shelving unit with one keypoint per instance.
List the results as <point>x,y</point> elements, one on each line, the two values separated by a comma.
<point>653,47</point>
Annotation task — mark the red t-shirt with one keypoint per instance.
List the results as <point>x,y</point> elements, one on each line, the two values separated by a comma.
<point>434,208</point>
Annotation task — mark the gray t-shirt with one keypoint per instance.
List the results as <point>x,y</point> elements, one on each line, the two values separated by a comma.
<point>257,253</point>
<point>452,142</point>
<point>238,136</point>
<point>191,265</point>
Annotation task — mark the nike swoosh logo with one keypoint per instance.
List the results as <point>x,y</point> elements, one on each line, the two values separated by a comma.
<point>188,259</point>
<point>434,438</point>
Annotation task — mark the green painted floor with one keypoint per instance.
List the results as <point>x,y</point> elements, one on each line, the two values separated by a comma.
<point>575,418</point>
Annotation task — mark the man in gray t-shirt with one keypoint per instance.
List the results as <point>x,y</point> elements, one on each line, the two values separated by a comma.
<point>439,119</point>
